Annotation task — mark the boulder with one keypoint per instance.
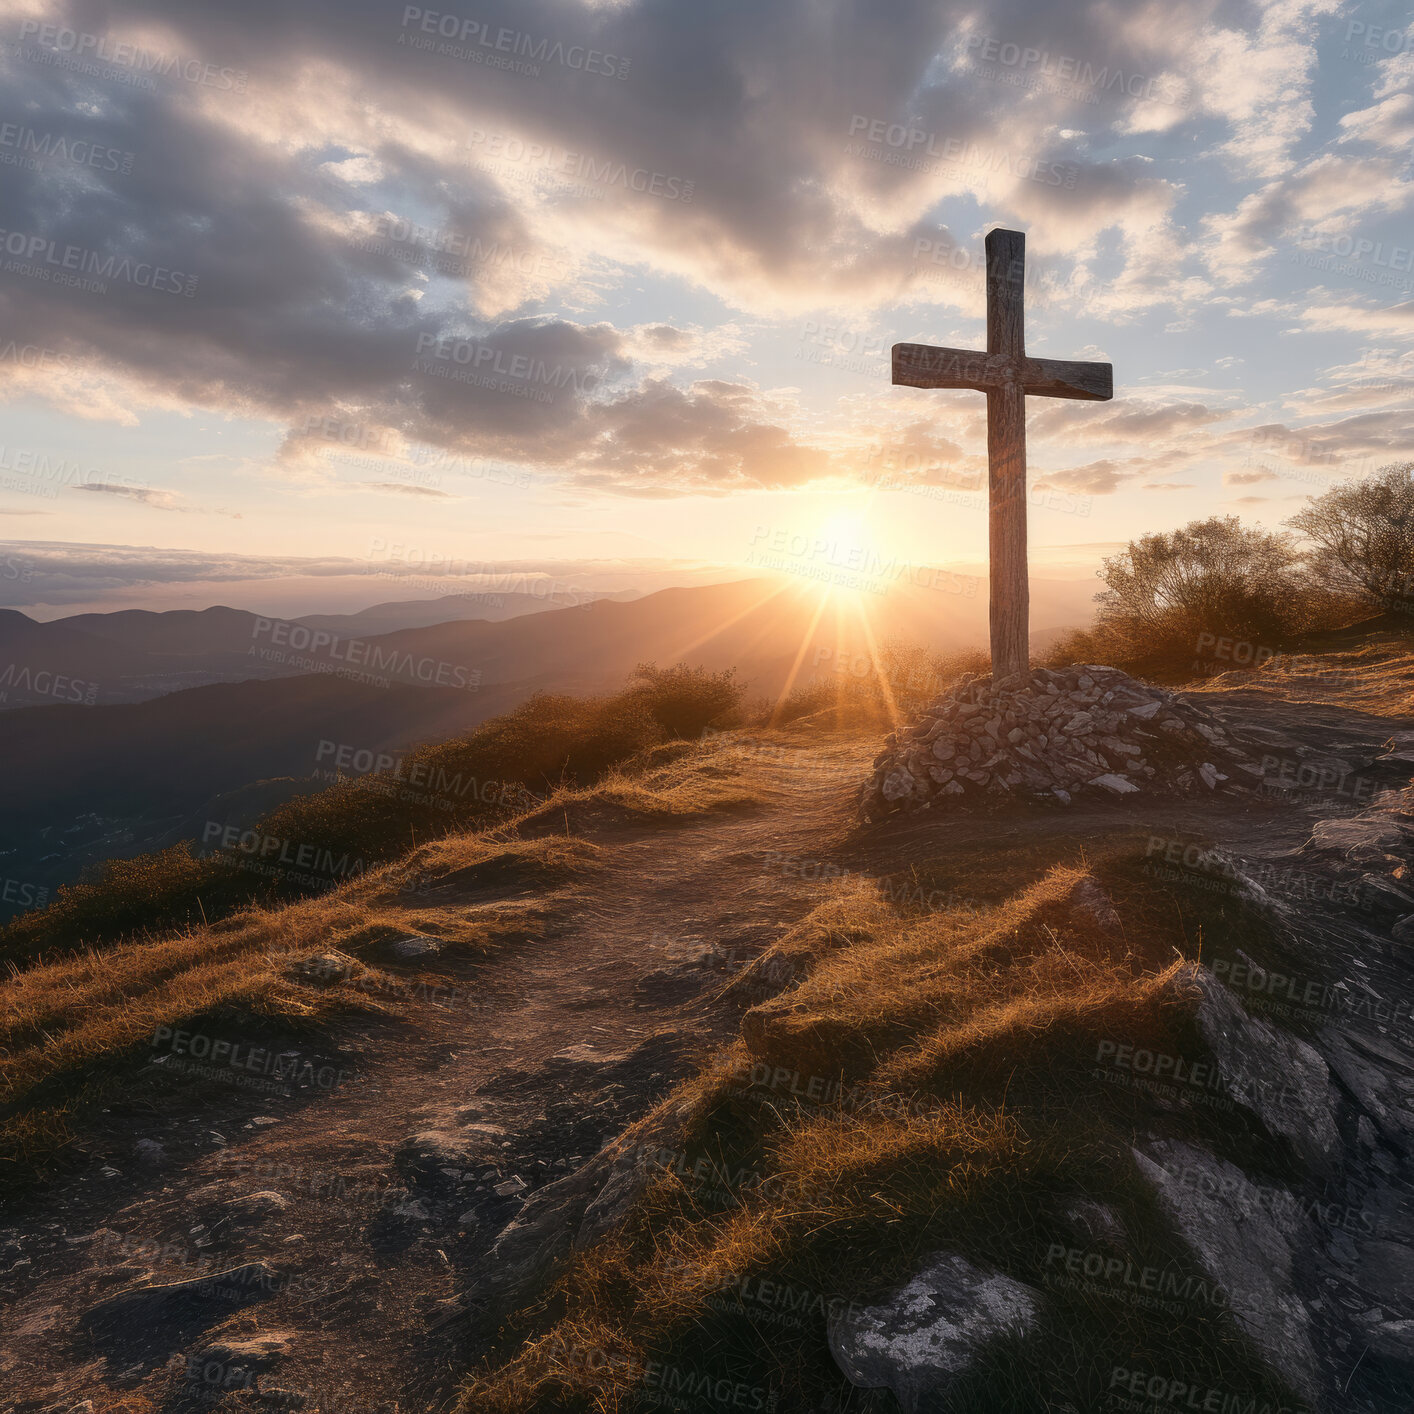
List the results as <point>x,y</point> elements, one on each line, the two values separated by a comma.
<point>432,1156</point>
<point>930,1332</point>
<point>239,1359</point>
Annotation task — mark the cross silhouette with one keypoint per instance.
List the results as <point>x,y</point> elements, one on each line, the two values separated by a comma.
<point>1006,375</point>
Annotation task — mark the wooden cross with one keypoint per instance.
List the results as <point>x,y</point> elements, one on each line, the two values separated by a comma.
<point>1006,375</point>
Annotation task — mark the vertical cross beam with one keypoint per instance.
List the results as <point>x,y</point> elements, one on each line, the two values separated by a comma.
<point>1010,598</point>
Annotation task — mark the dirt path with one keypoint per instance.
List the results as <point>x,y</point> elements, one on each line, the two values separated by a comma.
<point>540,1055</point>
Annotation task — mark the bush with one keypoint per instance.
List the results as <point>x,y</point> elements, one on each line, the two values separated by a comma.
<point>1362,534</point>
<point>169,891</point>
<point>684,701</point>
<point>1215,577</point>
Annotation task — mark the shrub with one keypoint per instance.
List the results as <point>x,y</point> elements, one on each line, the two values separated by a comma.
<point>682,700</point>
<point>1362,535</point>
<point>170,890</point>
<point>1214,576</point>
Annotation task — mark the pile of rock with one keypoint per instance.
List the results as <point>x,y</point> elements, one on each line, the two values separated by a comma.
<point>1049,735</point>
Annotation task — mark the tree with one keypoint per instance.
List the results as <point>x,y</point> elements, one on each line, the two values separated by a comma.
<point>1213,576</point>
<point>1363,535</point>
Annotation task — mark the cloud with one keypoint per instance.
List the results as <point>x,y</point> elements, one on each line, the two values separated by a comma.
<point>65,573</point>
<point>1388,124</point>
<point>374,197</point>
<point>405,488</point>
<point>1321,200</point>
<point>1103,477</point>
<point>714,437</point>
<point>147,495</point>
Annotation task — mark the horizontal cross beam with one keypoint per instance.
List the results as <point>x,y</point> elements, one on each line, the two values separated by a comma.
<point>930,366</point>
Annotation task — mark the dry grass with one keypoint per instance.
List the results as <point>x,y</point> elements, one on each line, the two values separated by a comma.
<point>671,784</point>
<point>922,1083</point>
<point>72,1027</point>
<point>1377,677</point>
<point>60,1022</point>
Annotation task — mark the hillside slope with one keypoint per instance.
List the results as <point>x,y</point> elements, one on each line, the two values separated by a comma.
<point>674,1079</point>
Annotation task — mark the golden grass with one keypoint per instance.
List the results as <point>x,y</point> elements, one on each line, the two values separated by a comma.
<point>61,1021</point>
<point>64,1023</point>
<point>1377,677</point>
<point>670,784</point>
<point>922,1084</point>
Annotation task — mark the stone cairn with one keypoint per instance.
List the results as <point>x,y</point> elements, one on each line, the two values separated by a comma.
<point>1049,736</point>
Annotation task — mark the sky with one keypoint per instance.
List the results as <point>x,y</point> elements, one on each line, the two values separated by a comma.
<point>308,305</point>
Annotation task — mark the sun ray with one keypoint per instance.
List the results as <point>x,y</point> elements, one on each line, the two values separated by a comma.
<point>881,677</point>
<point>800,656</point>
<point>737,618</point>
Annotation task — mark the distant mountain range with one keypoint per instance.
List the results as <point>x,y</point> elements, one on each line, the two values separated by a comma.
<point>83,783</point>
<point>133,655</point>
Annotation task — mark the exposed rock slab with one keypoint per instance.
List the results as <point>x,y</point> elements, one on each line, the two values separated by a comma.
<point>1271,1073</point>
<point>1245,1237</point>
<point>927,1335</point>
<point>181,1300</point>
